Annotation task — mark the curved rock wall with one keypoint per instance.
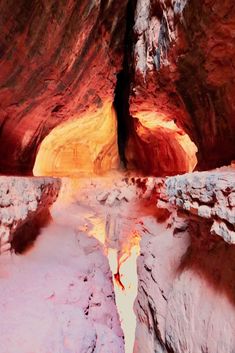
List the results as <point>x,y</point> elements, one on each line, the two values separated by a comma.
<point>57,60</point>
<point>183,70</point>
<point>81,147</point>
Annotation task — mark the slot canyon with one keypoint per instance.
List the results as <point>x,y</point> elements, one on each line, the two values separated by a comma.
<point>117,176</point>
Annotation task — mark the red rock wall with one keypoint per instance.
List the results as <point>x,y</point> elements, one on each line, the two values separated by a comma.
<point>60,60</point>
<point>57,59</point>
<point>183,71</point>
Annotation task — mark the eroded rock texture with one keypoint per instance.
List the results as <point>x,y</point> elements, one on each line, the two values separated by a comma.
<point>24,207</point>
<point>58,61</point>
<point>185,300</point>
<point>183,85</point>
<point>208,195</point>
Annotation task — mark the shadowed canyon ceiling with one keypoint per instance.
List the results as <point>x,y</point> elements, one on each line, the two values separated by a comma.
<point>78,79</point>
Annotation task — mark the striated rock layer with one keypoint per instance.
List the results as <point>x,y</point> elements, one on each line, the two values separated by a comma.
<point>183,86</point>
<point>185,300</point>
<point>58,60</point>
<point>24,207</point>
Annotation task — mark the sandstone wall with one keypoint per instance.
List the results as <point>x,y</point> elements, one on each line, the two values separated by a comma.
<point>58,60</point>
<point>24,206</point>
<point>183,84</point>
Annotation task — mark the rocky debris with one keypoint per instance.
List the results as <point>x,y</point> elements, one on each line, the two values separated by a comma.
<point>59,296</point>
<point>66,276</point>
<point>132,188</point>
<point>22,200</point>
<point>207,195</point>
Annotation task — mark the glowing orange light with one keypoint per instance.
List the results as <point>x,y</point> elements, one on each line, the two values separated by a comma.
<point>173,144</point>
<point>83,146</point>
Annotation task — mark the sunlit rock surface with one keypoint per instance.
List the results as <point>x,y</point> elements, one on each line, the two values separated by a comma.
<point>183,70</point>
<point>185,300</point>
<point>87,145</point>
<point>24,204</point>
<point>162,148</point>
<point>58,60</point>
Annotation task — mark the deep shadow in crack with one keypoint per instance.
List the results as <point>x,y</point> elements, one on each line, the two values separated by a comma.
<point>212,259</point>
<point>26,234</point>
<point>123,85</point>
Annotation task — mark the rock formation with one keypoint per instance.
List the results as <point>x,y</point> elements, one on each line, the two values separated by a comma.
<point>185,300</point>
<point>183,84</point>
<point>208,195</point>
<point>88,87</point>
<point>24,207</point>
<point>177,82</point>
<point>181,261</point>
<point>58,62</point>
<point>81,147</point>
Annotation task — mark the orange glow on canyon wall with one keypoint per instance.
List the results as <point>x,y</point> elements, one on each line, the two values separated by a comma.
<point>162,147</point>
<point>87,145</point>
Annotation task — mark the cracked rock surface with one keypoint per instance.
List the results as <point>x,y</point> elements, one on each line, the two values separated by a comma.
<point>208,195</point>
<point>22,199</point>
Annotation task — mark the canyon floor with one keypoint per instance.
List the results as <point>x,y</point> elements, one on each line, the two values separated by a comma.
<point>58,294</point>
<point>116,269</point>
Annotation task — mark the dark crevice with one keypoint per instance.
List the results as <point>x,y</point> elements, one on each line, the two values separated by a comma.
<point>25,236</point>
<point>121,105</point>
<point>57,108</point>
<point>123,85</point>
